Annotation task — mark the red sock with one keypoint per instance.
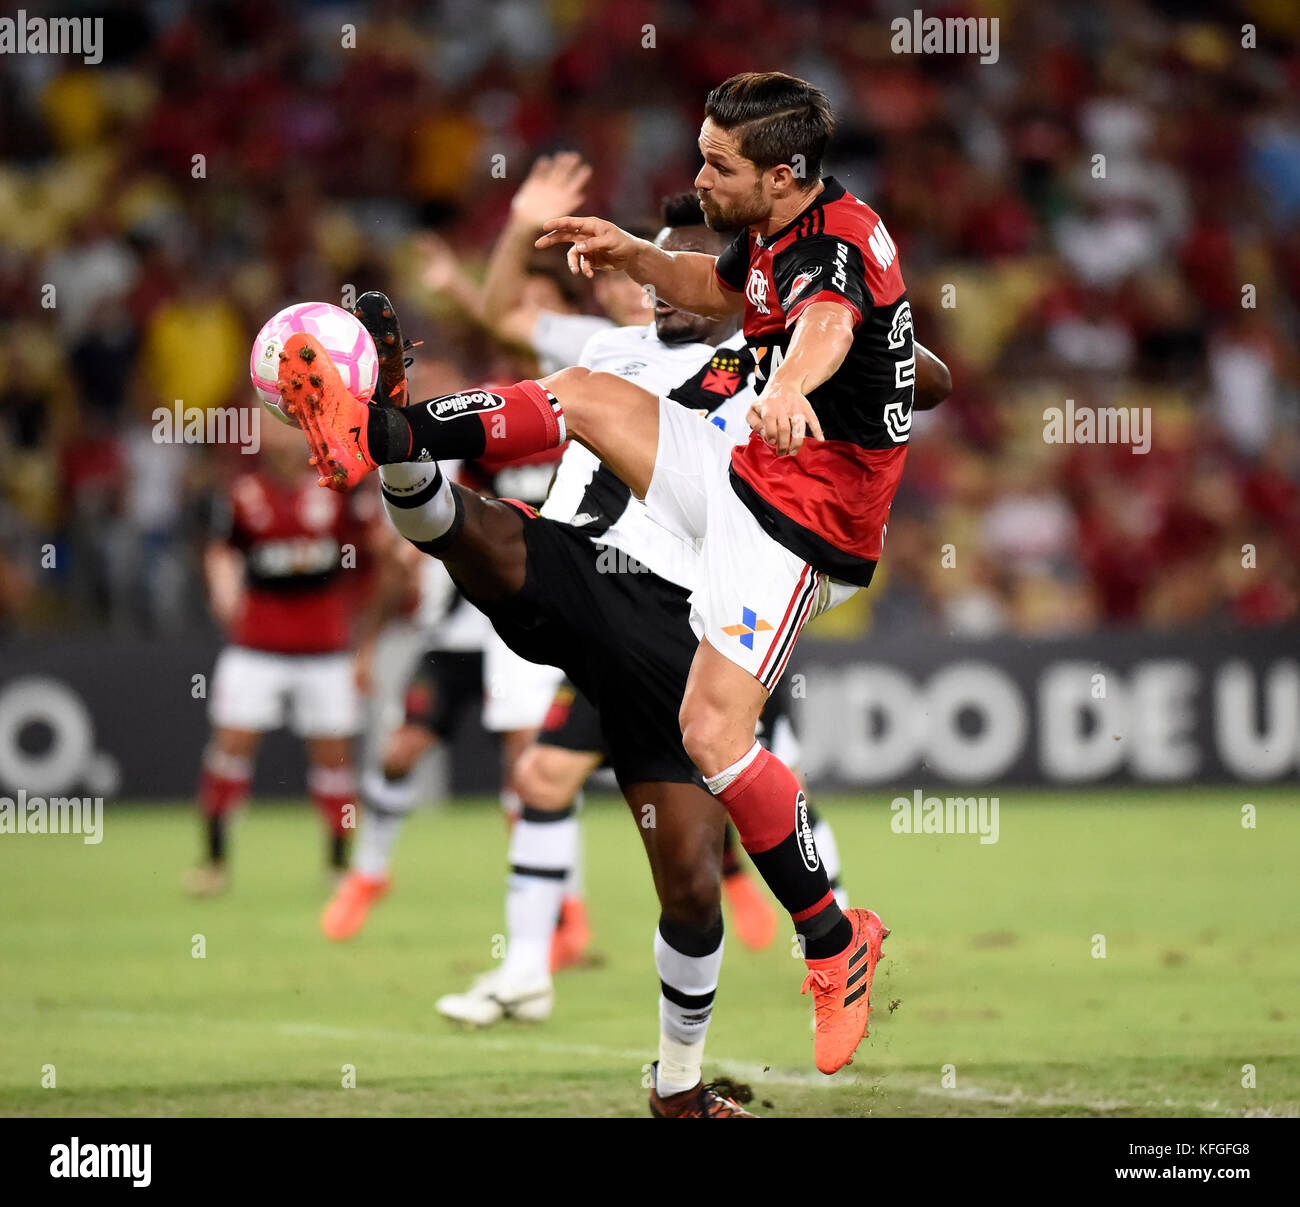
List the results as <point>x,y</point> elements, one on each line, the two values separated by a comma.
<point>531,421</point>
<point>223,784</point>
<point>333,792</point>
<point>501,423</point>
<point>770,811</point>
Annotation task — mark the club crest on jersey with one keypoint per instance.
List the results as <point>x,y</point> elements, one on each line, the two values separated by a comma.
<point>452,406</point>
<point>800,283</point>
<point>722,376</point>
<point>804,834</point>
<point>756,290</point>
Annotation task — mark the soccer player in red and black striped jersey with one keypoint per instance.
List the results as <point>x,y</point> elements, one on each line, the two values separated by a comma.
<point>789,524</point>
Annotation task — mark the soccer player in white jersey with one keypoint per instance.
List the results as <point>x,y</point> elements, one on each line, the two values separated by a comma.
<point>685,357</point>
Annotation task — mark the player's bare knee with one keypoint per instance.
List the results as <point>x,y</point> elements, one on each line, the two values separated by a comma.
<point>570,388</point>
<point>404,749</point>
<point>237,743</point>
<point>691,894</point>
<point>584,395</point>
<point>540,781</point>
<point>707,736</point>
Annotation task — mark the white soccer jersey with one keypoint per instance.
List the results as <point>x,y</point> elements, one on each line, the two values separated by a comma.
<point>588,495</point>
<point>558,339</point>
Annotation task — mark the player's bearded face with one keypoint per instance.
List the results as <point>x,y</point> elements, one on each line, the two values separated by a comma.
<point>731,214</point>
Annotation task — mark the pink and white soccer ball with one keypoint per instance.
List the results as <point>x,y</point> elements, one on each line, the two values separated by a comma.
<point>341,335</point>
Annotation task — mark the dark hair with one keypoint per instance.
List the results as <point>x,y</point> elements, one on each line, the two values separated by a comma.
<point>778,118</point>
<point>681,209</point>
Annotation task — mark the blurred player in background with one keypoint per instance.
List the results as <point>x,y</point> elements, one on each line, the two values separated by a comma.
<point>556,339</point>
<point>527,301</point>
<point>465,667</point>
<point>285,569</point>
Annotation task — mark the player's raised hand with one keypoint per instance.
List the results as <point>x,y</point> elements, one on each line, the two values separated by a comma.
<point>785,417</point>
<point>440,265</point>
<point>556,185</point>
<point>596,243</point>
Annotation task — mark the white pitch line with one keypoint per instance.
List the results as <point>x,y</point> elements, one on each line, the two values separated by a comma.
<point>461,1036</point>
<point>758,1074</point>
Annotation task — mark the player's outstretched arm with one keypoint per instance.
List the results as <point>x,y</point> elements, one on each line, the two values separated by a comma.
<point>685,279</point>
<point>933,381</point>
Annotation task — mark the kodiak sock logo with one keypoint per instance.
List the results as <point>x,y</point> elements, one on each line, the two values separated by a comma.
<point>803,833</point>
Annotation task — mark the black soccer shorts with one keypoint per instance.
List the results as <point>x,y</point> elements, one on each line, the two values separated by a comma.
<point>445,687</point>
<point>572,723</point>
<point>624,639</point>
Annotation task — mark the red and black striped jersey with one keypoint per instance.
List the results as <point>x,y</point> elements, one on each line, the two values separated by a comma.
<point>829,503</point>
<point>296,540</point>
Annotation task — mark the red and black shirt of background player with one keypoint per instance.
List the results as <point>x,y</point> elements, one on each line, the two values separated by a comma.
<point>306,563</point>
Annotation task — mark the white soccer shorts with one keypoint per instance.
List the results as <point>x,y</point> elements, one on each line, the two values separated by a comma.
<point>754,595</point>
<point>315,694</point>
<point>516,693</point>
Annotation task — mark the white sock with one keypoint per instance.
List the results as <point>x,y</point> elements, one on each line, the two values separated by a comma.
<point>418,498</point>
<point>573,881</point>
<point>386,804</point>
<point>729,775</point>
<point>691,980</point>
<point>541,854</point>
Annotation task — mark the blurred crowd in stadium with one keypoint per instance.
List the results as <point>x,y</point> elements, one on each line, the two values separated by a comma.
<point>1037,272</point>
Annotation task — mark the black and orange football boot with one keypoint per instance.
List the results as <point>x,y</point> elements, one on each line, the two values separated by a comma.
<point>379,317</point>
<point>713,1100</point>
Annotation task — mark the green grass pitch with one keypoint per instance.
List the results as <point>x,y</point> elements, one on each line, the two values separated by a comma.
<point>989,1000</point>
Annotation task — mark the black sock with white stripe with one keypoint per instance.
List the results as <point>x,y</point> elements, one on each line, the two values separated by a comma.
<point>688,961</point>
<point>543,851</point>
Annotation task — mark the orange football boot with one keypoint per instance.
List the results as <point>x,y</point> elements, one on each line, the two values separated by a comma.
<point>841,989</point>
<point>346,913</point>
<point>334,421</point>
<point>572,935</point>
<point>752,916</point>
